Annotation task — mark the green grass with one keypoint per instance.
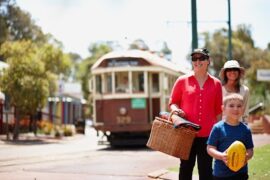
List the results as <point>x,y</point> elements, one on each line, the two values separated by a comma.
<point>258,166</point>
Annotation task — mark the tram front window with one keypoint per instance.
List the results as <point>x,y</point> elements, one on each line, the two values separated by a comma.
<point>121,82</point>
<point>138,82</point>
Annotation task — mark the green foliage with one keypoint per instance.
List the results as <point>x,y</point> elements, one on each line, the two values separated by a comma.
<point>243,47</point>
<point>25,81</point>
<point>249,57</point>
<point>75,59</point>
<point>45,127</point>
<point>84,74</point>
<point>17,24</point>
<point>48,128</point>
<point>69,130</point>
<point>54,59</point>
<point>96,50</point>
<point>261,88</point>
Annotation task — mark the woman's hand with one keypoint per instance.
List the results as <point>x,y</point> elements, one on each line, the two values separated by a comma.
<point>179,112</point>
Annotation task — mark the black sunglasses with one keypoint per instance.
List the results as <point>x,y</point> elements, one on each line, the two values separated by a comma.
<point>201,58</point>
<point>232,69</point>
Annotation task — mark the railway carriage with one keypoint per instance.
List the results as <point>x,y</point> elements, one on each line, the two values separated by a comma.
<point>129,88</point>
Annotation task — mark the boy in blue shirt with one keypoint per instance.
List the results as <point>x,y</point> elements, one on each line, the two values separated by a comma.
<point>224,133</point>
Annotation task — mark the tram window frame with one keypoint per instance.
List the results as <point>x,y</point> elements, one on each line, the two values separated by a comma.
<point>155,83</point>
<point>108,83</point>
<point>98,85</point>
<point>138,82</point>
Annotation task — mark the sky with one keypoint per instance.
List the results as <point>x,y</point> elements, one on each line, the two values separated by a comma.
<point>78,23</point>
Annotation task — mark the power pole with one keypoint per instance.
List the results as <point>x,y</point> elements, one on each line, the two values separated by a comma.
<point>194,24</point>
<point>229,31</point>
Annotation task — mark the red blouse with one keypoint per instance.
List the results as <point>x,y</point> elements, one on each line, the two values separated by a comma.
<point>201,105</point>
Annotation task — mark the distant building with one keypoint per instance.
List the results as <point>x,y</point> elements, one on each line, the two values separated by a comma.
<point>67,106</point>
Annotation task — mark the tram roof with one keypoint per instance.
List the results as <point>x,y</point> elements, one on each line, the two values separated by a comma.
<point>152,58</point>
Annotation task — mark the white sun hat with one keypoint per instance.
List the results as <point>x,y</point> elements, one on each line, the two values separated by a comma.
<point>231,64</point>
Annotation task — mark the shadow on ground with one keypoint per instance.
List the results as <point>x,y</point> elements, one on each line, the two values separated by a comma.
<point>29,142</point>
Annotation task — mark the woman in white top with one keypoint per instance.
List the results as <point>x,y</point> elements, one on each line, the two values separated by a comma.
<point>231,75</point>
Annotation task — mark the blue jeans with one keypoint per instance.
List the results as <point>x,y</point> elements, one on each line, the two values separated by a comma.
<point>204,161</point>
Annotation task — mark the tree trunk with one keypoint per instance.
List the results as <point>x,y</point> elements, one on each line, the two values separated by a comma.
<point>35,124</point>
<point>7,125</point>
<point>16,126</point>
<point>30,125</point>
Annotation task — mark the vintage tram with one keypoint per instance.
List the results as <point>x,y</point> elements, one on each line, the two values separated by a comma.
<point>129,88</point>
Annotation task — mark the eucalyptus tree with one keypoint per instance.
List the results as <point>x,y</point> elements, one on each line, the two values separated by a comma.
<point>243,47</point>
<point>249,56</point>
<point>17,24</point>
<point>96,50</point>
<point>25,81</point>
<point>260,90</point>
<point>32,75</point>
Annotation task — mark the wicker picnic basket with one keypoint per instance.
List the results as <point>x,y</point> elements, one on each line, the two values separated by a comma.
<point>165,138</point>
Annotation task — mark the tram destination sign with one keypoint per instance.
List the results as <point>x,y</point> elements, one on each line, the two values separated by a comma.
<point>138,103</point>
<point>118,63</point>
<point>263,74</point>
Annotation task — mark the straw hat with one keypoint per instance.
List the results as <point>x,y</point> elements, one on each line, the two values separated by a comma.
<point>231,64</point>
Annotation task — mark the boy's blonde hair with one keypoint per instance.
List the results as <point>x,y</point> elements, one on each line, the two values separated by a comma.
<point>233,96</point>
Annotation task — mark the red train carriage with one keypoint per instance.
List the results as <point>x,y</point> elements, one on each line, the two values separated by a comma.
<point>130,88</point>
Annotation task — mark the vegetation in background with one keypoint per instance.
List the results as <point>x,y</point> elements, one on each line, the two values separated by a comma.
<point>48,128</point>
<point>249,57</point>
<point>30,78</point>
<point>36,62</point>
<point>84,74</point>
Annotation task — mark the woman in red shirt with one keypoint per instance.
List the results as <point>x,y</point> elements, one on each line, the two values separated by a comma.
<point>198,97</point>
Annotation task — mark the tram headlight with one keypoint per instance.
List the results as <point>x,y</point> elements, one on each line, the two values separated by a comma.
<point>122,111</point>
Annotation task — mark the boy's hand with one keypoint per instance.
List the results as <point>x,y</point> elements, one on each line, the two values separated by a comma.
<point>249,155</point>
<point>223,157</point>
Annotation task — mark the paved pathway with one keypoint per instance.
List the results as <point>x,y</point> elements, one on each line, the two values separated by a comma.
<point>8,150</point>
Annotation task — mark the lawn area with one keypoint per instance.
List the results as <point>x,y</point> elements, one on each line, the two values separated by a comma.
<point>258,166</point>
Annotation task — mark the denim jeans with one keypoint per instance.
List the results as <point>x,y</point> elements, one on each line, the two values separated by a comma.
<point>204,161</point>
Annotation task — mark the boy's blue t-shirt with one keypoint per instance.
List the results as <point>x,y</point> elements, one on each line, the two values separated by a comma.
<point>222,136</point>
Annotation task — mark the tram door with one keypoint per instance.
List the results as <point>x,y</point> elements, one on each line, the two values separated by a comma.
<point>154,95</point>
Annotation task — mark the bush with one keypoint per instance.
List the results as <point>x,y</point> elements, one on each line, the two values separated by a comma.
<point>69,130</point>
<point>45,127</point>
